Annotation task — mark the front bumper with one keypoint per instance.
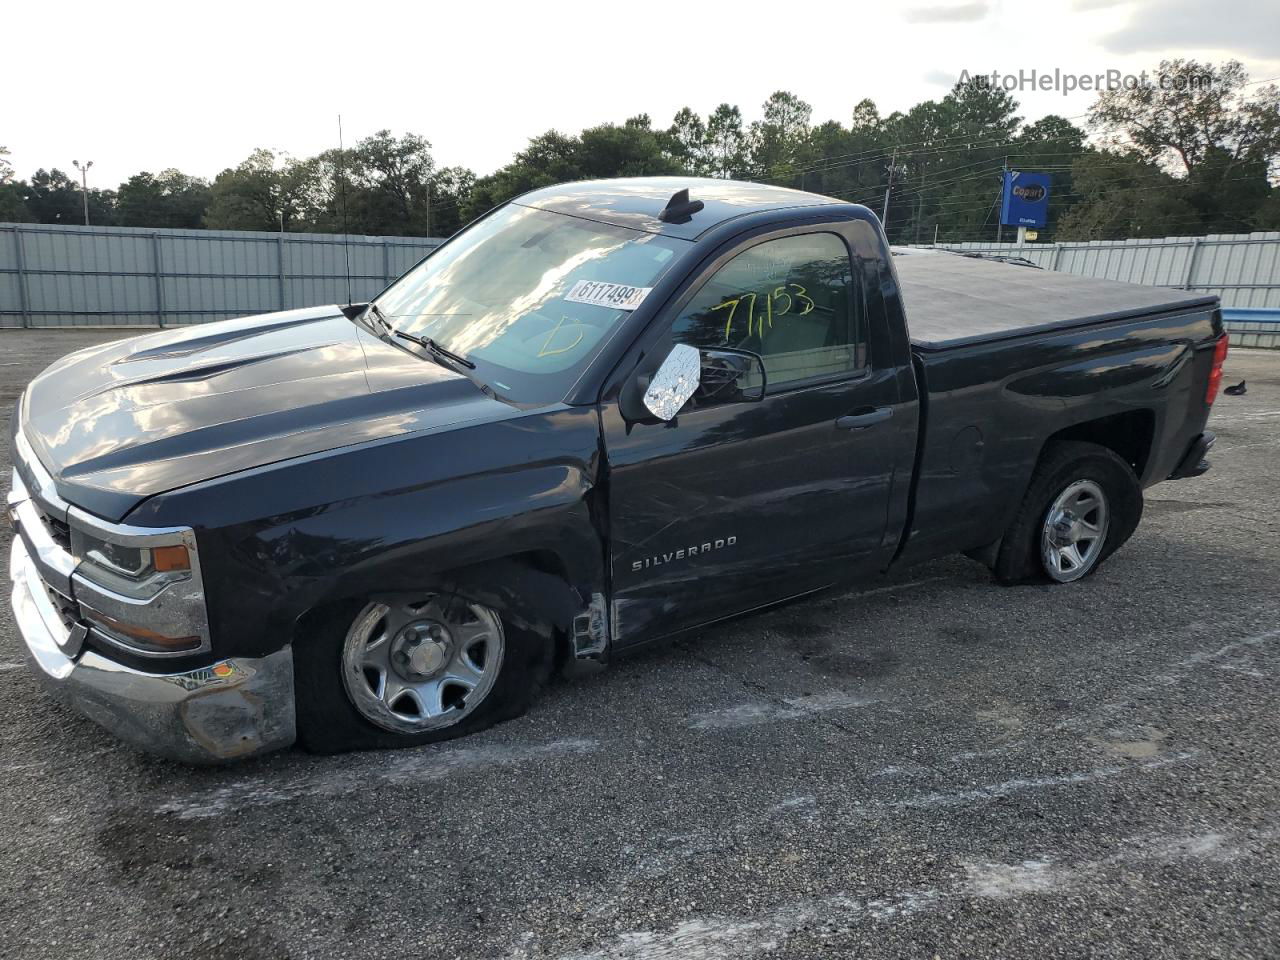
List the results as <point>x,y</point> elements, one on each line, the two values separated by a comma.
<point>226,711</point>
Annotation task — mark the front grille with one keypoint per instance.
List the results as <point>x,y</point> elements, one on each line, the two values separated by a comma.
<point>68,609</point>
<point>59,530</point>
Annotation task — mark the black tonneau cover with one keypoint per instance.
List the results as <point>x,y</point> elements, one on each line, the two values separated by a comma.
<point>952,300</point>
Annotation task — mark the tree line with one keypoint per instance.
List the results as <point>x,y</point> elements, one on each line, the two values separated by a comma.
<point>1178,158</point>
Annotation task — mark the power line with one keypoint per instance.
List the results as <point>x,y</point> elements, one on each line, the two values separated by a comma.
<point>978,136</point>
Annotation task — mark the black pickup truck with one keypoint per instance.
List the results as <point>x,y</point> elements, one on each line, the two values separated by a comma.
<point>602,414</point>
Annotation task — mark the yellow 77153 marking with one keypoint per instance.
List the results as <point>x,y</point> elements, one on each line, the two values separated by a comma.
<point>801,294</point>
<point>733,308</point>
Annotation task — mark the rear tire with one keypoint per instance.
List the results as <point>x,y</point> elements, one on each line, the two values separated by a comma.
<point>395,671</point>
<point>1083,504</point>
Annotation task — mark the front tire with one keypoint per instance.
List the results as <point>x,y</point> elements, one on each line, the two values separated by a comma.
<point>1083,504</point>
<point>409,669</point>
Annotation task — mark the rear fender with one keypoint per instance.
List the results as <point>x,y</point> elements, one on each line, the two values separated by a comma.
<point>994,406</point>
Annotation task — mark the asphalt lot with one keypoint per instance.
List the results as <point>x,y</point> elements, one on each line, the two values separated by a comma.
<point>931,766</point>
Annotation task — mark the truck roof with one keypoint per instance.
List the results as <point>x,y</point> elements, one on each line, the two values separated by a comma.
<point>952,300</point>
<point>636,202</point>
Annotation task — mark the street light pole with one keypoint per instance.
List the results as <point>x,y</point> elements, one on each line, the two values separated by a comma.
<point>84,185</point>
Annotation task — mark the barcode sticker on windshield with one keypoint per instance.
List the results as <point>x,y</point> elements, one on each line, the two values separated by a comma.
<point>600,294</point>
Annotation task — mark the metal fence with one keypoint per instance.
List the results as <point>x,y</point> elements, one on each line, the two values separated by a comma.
<point>1243,268</point>
<point>65,276</point>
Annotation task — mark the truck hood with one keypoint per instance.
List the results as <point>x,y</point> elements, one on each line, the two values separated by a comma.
<point>121,422</point>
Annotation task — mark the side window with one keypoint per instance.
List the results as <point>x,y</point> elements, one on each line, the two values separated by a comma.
<point>792,301</point>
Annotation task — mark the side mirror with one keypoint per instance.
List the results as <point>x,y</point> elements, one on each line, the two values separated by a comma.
<point>713,376</point>
<point>673,383</point>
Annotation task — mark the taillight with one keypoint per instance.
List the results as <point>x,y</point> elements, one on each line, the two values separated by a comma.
<point>1215,374</point>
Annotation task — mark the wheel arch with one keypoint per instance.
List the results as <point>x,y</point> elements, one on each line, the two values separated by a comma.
<point>1014,558</point>
<point>1129,434</point>
<point>531,587</point>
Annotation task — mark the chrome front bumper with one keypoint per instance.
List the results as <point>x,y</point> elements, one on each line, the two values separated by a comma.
<point>225,711</point>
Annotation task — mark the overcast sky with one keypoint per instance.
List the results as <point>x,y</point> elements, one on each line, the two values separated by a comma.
<point>139,86</point>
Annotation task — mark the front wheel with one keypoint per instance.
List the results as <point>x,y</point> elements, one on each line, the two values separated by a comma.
<point>413,668</point>
<point>418,665</point>
<point>1081,506</point>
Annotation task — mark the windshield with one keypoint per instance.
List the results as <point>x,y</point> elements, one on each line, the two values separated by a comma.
<point>529,296</point>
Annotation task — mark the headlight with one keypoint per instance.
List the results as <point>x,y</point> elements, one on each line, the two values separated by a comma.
<point>138,587</point>
<point>133,569</point>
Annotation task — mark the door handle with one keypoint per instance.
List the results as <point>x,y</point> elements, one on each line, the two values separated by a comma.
<point>863,418</point>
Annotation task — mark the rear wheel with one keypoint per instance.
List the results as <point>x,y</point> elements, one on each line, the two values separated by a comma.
<point>413,668</point>
<point>1074,531</point>
<point>1083,503</point>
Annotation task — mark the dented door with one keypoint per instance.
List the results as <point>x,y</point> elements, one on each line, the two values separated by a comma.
<point>734,505</point>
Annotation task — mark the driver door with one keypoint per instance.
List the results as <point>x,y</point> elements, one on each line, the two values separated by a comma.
<point>771,488</point>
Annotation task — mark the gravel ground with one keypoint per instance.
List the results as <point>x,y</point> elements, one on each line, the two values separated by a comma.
<point>930,766</point>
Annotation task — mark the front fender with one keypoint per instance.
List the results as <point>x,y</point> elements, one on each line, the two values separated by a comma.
<point>277,542</point>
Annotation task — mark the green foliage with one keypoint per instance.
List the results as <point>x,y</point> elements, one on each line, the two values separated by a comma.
<point>1192,154</point>
<point>54,197</point>
<point>1196,109</point>
<point>631,150</point>
<point>13,194</point>
<point>389,185</point>
<point>451,188</point>
<point>267,191</point>
<point>1121,195</point>
<point>167,199</point>
<point>13,203</point>
<point>778,143</point>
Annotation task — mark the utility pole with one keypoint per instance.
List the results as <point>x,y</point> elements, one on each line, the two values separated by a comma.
<point>84,185</point>
<point>428,209</point>
<point>1004,174</point>
<point>884,214</point>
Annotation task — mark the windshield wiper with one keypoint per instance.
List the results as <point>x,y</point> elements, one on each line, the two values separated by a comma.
<point>434,348</point>
<point>376,312</point>
<point>425,342</point>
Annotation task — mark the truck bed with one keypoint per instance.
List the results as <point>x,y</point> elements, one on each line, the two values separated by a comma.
<point>952,300</point>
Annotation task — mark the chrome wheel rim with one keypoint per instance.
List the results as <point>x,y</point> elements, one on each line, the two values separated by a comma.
<point>421,663</point>
<point>1075,530</point>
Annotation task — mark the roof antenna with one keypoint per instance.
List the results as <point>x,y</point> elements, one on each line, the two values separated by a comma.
<point>346,230</point>
<point>680,209</point>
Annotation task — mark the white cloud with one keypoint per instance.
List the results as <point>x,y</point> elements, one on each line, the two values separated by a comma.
<point>951,13</point>
<point>1175,27</point>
